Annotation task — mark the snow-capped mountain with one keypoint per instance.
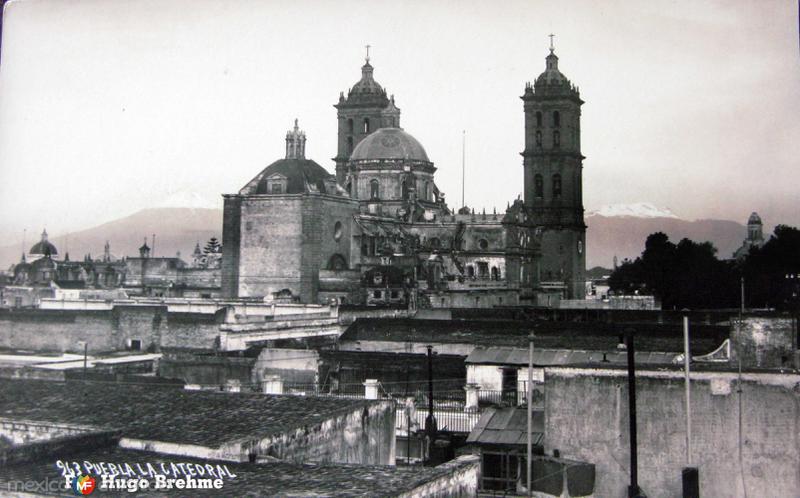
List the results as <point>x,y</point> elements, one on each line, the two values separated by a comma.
<point>189,199</point>
<point>635,210</point>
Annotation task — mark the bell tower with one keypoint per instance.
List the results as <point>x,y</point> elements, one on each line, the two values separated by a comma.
<point>365,109</point>
<point>553,180</point>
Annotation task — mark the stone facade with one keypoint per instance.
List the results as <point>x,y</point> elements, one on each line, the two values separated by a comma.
<point>553,178</point>
<point>379,232</point>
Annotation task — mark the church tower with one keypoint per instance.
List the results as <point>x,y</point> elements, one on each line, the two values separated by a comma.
<point>365,109</point>
<point>552,162</point>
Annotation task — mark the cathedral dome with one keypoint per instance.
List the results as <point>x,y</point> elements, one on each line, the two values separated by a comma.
<point>294,174</point>
<point>297,173</point>
<point>44,247</point>
<point>754,219</point>
<point>551,74</point>
<point>389,143</point>
<point>367,91</point>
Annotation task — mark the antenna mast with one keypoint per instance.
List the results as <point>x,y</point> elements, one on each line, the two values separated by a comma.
<point>463,162</point>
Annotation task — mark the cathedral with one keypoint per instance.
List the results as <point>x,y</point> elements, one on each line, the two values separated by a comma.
<point>379,231</point>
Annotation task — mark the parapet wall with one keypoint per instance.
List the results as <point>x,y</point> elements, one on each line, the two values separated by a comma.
<point>587,419</point>
<point>106,330</point>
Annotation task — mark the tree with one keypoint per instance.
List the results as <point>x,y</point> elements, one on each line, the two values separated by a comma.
<point>686,275</point>
<point>212,246</point>
<point>771,271</point>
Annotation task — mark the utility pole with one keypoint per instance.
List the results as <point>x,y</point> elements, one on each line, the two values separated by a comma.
<point>430,421</point>
<point>463,164</point>
<point>85,354</point>
<point>633,489</point>
<point>741,310</point>
<point>687,358</point>
<point>529,399</point>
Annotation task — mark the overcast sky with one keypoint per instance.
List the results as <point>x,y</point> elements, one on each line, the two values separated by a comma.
<point>111,106</point>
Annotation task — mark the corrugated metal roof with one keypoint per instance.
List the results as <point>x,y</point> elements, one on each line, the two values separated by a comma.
<point>560,357</point>
<point>507,426</point>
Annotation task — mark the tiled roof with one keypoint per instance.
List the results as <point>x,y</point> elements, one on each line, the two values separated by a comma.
<point>549,335</point>
<point>507,426</point>
<point>268,479</point>
<point>167,414</point>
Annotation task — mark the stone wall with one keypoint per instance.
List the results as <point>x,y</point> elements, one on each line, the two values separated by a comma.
<point>283,241</point>
<point>43,450</point>
<point>292,365</point>
<point>206,371</point>
<point>765,342</point>
<point>460,478</point>
<point>586,418</point>
<point>108,330</point>
<point>365,436</point>
<point>19,432</point>
<point>231,245</point>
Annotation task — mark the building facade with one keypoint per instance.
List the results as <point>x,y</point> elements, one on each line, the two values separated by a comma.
<point>380,232</point>
<point>755,237</point>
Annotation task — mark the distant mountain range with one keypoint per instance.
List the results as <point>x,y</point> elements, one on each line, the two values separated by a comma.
<point>624,236</point>
<point>176,229</point>
<point>618,230</point>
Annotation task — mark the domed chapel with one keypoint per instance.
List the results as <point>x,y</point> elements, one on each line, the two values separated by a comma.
<point>379,231</point>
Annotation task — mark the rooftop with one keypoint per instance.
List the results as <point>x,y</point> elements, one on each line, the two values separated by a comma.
<point>666,338</point>
<point>269,479</point>
<point>507,426</point>
<point>563,357</point>
<point>166,414</point>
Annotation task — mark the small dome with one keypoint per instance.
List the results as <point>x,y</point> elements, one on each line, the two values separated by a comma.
<point>389,143</point>
<point>367,91</point>
<point>754,219</point>
<point>45,248</point>
<point>551,75</point>
<point>296,172</point>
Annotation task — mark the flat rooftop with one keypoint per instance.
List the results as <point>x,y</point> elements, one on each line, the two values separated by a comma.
<point>168,414</point>
<point>584,336</point>
<point>252,479</point>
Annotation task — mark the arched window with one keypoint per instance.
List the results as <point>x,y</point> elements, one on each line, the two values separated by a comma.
<point>366,125</point>
<point>404,188</point>
<point>556,186</point>
<point>349,145</point>
<point>538,185</point>
<point>556,119</point>
<point>374,189</point>
<point>350,188</point>
<point>350,128</point>
<point>337,262</point>
<point>538,138</point>
<point>425,191</point>
<point>471,271</point>
<point>337,231</point>
<point>538,118</point>
<point>556,138</point>
<point>495,273</point>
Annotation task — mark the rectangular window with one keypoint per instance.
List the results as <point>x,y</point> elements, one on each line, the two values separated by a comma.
<point>276,188</point>
<point>136,344</point>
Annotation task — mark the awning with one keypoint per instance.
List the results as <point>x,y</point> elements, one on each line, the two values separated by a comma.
<point>507,426</point>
